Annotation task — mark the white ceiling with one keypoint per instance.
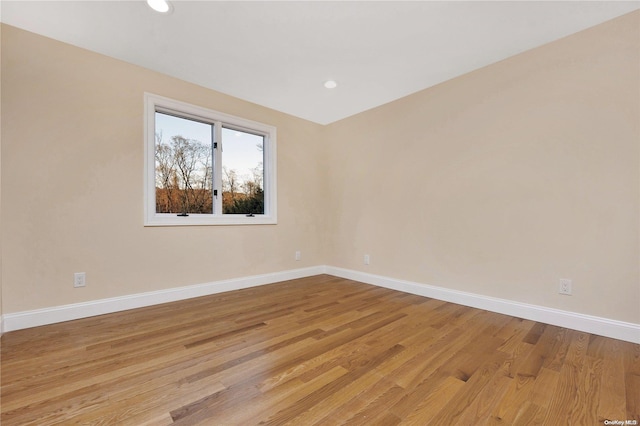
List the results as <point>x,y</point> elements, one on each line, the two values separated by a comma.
<point>278,54</point>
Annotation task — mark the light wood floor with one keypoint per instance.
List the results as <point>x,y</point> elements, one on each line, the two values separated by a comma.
<point>320,350</point>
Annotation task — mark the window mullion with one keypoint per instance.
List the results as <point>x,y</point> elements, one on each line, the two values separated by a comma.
<point>217,167</point>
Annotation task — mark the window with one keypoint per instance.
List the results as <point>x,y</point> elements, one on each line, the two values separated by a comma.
<point>204,167</point>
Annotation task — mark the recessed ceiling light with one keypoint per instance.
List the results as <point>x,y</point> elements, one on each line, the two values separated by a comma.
<point>162,6</point>
<point>330,84</point>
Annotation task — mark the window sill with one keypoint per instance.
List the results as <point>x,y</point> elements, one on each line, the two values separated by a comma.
<point>204,220</point>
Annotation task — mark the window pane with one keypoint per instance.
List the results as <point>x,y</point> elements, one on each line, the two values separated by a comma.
<point>242,172</point>
<point>184,169</point>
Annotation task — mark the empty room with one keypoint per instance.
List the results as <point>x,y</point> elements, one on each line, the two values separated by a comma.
<point>320,212</point>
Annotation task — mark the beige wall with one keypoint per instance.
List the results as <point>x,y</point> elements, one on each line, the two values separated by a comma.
<point>504,180</point>
<point>72,187</point>
<point>498,183</point>
<point>1,327</point>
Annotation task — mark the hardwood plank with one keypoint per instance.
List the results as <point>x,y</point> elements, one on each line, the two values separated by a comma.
<point>544,392</point>
<point>632,380</point>
<point>612,402</point>
<point>517,396</point>
<point>276,399</point>
<point>453,411</point>
<point>565,394</point>
<point>318,350</point>
<point>348,399</point>
<point>376,404</point>
<point>491,396</point>
<point>585,405</point>
<point>442,391</point>
<point>301,406</point>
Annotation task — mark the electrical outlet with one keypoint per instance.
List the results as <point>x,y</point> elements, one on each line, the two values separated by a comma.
<point>79,279</point>
<point>298,255</point>
<point>367,259</point>
<point>565,287</point>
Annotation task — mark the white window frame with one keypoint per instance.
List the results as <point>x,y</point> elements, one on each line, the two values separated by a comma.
<point>155,103</point>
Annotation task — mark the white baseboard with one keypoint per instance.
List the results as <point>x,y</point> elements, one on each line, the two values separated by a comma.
<point>601,326</point>
<point>27,319</point>
<point>591,324</point>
